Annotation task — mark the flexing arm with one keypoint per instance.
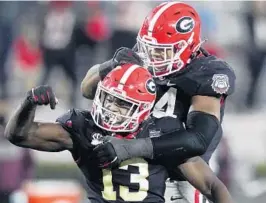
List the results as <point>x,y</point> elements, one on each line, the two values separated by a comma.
<point>199,174</point>
<point>22,131</point>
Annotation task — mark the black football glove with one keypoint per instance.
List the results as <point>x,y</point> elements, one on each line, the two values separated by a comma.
<point>114,150</point>
<point>42,95</point>
<point>106,68</point>
<point>122,56</point>
<point>106,155</point>
<point>125,55</point>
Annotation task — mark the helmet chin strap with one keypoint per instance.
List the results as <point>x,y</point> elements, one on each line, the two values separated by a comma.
<point>204,52</point>
<point>198,49</point>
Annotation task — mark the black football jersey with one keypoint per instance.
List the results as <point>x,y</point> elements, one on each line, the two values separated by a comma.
<point>206,76</point>
<point>136,180</point>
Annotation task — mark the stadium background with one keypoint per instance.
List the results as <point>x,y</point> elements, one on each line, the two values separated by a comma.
<point>235,32</point>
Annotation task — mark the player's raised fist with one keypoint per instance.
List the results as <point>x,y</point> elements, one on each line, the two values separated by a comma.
<point>42,95</point>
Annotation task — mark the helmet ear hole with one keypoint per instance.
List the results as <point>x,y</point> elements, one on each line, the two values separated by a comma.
<point>193,14</point>
<point>169,34</point>
<point>140,91</point>
<point>192,46</point>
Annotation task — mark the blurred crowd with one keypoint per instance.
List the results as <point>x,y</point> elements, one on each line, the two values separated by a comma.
<point>56,42</point>
<point>40,37</point>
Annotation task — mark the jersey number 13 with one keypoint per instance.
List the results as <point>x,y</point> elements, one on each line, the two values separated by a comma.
<point>141,178</point>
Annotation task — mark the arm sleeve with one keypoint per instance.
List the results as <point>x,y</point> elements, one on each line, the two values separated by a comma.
<point>184,144</point>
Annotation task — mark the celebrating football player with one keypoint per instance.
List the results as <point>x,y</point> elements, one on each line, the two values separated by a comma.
<point>121,108</point>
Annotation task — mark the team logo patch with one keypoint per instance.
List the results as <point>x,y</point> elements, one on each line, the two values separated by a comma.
<point>185,25</point>
<point>96,139</point>
<point>150,86</point>
<point>220,83</point>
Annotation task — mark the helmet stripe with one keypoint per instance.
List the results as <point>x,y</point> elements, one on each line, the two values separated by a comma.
<point>157,16</point>
<point>126,75</point>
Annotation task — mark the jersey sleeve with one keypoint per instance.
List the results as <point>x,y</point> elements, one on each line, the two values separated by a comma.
<point>75,122</point>
<point>216,80</point>
<point>65,121</point>
<point>207,76</point>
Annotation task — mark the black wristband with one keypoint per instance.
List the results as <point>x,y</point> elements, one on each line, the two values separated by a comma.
<point>28,103</point>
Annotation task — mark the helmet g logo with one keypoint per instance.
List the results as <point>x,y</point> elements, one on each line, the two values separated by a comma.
<point>150,86</point>
<point>185,25</point>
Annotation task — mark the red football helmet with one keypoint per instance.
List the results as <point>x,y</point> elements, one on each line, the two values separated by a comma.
<point>124,99</point>
<point>169,36</point>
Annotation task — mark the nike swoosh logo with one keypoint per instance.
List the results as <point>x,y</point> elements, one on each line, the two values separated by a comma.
<point>170,84</point>
<point>175,198</point>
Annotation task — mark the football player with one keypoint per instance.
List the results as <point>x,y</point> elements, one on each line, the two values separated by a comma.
<point>121,108</point>
<point>192,86</point>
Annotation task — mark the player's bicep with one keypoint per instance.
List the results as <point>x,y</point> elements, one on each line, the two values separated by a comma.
<point>206,104</point>
<point>47,137</point>
<point>199,174</point>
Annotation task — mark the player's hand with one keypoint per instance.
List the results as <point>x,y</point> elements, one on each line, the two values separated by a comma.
<point>42,95</point>
<point>122,56</point>
<point>106,153</point>
<point>113,150</point>
<point>125,55</point>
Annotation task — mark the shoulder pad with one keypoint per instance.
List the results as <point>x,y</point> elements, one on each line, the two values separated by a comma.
<point>79,124</point>
<point>207,76</point>
<point>74,119</point>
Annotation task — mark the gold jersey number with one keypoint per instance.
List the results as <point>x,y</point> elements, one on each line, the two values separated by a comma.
<point>141,178</point>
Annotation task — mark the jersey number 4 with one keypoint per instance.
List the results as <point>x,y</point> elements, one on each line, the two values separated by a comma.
<point>109,194</point>
<point>169,99</point>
